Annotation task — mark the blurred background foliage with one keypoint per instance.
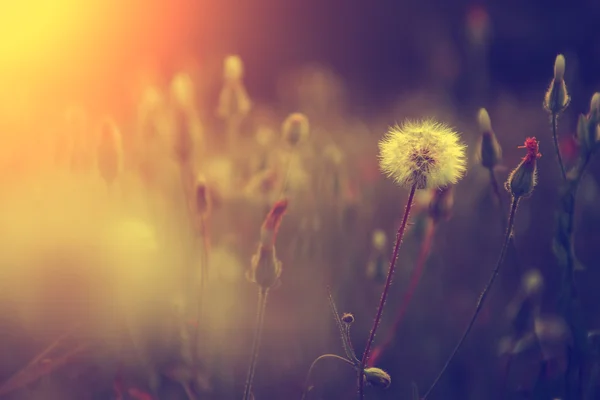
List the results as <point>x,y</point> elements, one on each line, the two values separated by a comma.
<point>112,263</point>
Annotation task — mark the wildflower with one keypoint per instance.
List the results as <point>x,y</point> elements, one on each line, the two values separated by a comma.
<point>489,151</point>
<point>295,128</point>
<point>523,179</point>
<point>377,377</point>
<point>424,154</point>
<point>557,97</point>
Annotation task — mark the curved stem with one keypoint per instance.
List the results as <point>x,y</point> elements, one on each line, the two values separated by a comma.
<point>260,317</point>
<point>482,297</point>
<point>414,279</point>
<point>314,363</point>
<point>555,137</point>
<point>385,292</point>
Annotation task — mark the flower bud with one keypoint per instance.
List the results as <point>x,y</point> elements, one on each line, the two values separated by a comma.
<point>377,377</point>
<point>532,282</point>
<point>522,180</point>
<point>379,239</point>
<point>233,68</point>
<point>348,318</point>
<point>588,126</point>
<point>265,268</point>
<point>295,128</point>
<point>557,97</point>
<point>201,197</point>
<point>440,207</point>
<point>489,151</point>
<point>269,228</point>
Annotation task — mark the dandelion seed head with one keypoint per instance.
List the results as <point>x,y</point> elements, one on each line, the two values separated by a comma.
<point>426,153</point>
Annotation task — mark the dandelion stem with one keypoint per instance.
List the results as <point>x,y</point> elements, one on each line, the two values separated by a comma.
<point>313,365</point>
<point>260,318</point>
<point>414,279</point>
<point>386,289</point>
<point>482,297</point>
<point>555,137</point>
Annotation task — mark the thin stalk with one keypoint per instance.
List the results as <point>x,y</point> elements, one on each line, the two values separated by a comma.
<point>414,279</point>
<point>384,294</point>
<point>260,318</point>
<point>203,282</point>
<point>312,366</point>
<point>555,137</point>
<point>496,190</point>
<point>495,187</point>
<point>286,177</point>
<point>482,297</point>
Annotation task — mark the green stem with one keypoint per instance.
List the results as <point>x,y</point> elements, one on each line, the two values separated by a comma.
<point>385,292</point>
<point>482,297</point>
<point>312,366</point>
<point>260,318</point>
<point>555,137</point>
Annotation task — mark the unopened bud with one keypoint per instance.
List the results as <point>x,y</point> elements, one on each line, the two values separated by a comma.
<point>532,281</point>
<point>201,197</point>
<point>522,180</point>
<point>595,106</point>
<point>489,151</point>
<point>559,68</point>
<point>183,90</point>
<point>233,68</point>
<point>270,226</point>
<point>377,377</point>
<point>265,268</point>
<point>233,101</point>
<point>295,128</point>
<point>348,318</point>
<point>588,126</point>
<point>440,207</point>
<point>557,97</point>
<point>379,239</point>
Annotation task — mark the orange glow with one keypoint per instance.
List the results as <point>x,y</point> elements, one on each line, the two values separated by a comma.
<point>29,27</point>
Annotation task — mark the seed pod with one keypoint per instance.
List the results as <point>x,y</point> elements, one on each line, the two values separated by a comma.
<point>557,97</point>
<point>265,267</point>
<point>348,318</point>
<point>295,128</point>
<point>489,152</point>
<point>377,377</point>
<point>202,197</point>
